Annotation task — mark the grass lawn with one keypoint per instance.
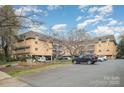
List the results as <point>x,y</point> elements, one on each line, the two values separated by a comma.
<point>20,70</point>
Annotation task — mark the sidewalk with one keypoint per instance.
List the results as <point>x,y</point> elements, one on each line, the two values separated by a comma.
<point>8,81</point>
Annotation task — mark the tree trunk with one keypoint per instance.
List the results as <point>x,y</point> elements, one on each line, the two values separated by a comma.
<point>6,53</point>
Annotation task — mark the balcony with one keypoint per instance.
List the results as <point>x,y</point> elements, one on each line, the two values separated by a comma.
<point>24,51</point>
<point>55,50</point>
<point>22,47</point>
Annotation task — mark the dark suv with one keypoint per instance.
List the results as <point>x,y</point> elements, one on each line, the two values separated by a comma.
<point>89,59</point>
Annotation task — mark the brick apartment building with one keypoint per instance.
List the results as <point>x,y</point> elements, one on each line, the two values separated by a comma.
<point>106,45</point>
<point>36,44</point>
<point>101,46</point>
<point>32,44</point>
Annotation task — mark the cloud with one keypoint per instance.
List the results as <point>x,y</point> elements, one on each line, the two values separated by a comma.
<point>82,6</point>
<point>45,13</point>
<point>24,10</point>
<point>100,16</point>
<point>105,10</point>
<point>38,28</point>
<point>112,22</point>
<point>53,7</point>
<point>43,27</point>
<point>89,21</point>
<point>107,30</point>
<point>101,10</point>
<point>81,25</point>
<point>78,18</point>
<point>118,29</point>
<point>92,10</point>
<point>59,27</point>
<point>95,20</point>
<point>103,30</point>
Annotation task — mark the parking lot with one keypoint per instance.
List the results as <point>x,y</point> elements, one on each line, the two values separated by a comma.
<point>102,74</point>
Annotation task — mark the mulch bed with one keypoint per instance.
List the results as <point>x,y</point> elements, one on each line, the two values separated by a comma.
<point>23,66</point>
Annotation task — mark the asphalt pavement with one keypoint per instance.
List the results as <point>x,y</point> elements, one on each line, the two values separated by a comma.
<point>102,74</point>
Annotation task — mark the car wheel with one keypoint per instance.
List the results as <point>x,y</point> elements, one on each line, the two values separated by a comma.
<point>74,62</point>
<point>89,62</point>
<point>93,62</point>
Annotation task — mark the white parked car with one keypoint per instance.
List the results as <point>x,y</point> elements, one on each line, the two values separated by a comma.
<point>105,58</point>
<point>68,58</point>
<point>102,59</point>
<point>41,59</point>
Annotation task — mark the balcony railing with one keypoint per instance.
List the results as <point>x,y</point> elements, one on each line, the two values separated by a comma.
<point>22,47</point>
<point>59,50</point>
<point>22,51</point>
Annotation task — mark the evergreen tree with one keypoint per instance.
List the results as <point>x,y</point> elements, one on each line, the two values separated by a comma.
<point>121,48</point>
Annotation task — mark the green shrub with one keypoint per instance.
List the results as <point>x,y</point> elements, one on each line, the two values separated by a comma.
<point>8,65</point>
<point>2,59</point>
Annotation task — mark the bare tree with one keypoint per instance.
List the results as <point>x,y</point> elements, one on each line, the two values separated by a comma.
<point>55,41</point>
<point>73,42</point>
<point>10,24</point>
<point>8,27</point>
<point>70,42</point>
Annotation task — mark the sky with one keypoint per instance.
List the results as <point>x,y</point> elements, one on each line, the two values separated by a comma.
<point>97,20</point>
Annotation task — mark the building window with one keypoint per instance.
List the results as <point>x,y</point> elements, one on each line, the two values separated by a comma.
<point>36,49</point>
<point>100,39</point>
<point>99,50</point>
<point>107,44</point>
<point>107,50</point>
<point>36,42</point>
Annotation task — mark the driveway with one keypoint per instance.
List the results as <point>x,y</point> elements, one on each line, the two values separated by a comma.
<point>104,74</point>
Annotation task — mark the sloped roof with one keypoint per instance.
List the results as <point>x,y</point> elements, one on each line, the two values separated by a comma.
<point>100,38</point>
<point>104,38</point>
<point>32,34</point>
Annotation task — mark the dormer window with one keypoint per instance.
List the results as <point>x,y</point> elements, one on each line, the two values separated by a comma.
<point>36,42</point>
<point>100,39</point>
<point>107,50</point>
<point>36,49</point>
<point>108,39</point>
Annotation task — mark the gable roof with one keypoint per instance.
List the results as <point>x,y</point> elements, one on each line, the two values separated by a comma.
<point>104,38</point>
<point>100,38</point>
<point>33,35</point>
